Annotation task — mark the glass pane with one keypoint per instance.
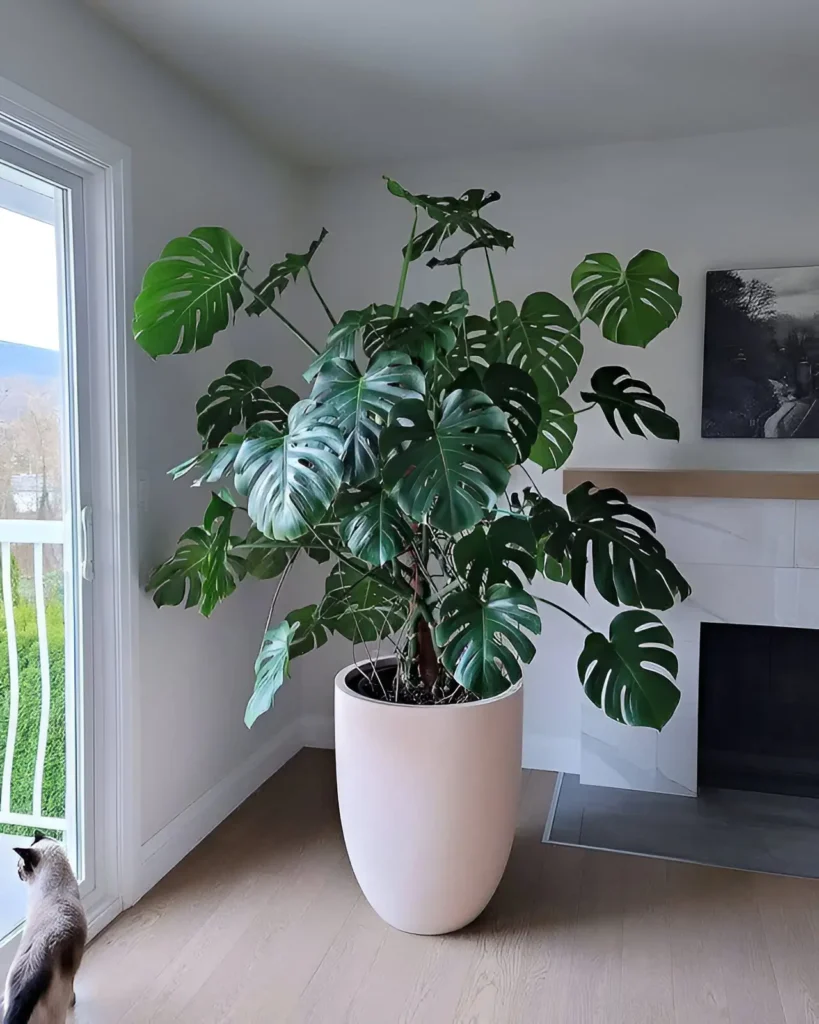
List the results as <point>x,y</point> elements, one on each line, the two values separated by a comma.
<point>32,569</point>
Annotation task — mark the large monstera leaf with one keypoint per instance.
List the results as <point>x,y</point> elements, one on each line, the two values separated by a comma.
<point>281,274</point>
<point>631,305</point>
<point>544,340</point>
<point>639,409</point>
<point>483,639</point>
<point>449,473</point>
<point>503,553</point>
<point>265,558</point>
<point>629,564</point>
<point>353,325</point>
<point>210,464</point>
<point>361,404</point>
<point>190,293</point>
<point>372,525</point>
<point>555,434</point>
<point>362,603</point>
<point>425,331</point>
<point>451,214</point>
<point>204,569</point>
<point>290,477</point>
<point>272,666</point>
<point>311,630</point>
<point>476,347</point>
<point>514,392</point>
<point>630,673</point>
<point>241,396</point>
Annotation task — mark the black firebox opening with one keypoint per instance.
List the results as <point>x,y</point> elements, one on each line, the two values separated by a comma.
<point>759,709</point>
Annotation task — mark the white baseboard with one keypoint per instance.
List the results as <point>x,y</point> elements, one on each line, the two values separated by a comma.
<point>164,850</point>
<point>102,915</point>
<point>551,754</point>
<point>318,731</point>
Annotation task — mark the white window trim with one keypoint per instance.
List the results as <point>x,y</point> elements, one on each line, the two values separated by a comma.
<point>104,166</point>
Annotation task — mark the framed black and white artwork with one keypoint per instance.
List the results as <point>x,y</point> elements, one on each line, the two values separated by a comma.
<point>761,365</point>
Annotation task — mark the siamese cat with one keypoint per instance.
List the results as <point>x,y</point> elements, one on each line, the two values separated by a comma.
<point>40,983</point>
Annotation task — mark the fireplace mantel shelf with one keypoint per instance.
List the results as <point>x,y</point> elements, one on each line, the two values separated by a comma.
<point>699,483</point>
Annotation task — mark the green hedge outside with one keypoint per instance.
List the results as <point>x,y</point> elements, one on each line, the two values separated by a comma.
<point>28,725</point>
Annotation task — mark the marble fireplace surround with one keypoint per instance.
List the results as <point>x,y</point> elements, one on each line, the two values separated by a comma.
<point>751,559</point>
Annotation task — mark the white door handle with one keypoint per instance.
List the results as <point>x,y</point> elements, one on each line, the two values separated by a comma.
<point>86,543</point>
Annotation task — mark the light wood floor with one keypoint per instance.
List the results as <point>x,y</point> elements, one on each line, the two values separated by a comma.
<point>264,922</point>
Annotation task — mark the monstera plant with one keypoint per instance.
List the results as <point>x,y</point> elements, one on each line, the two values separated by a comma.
<point>395,467</point>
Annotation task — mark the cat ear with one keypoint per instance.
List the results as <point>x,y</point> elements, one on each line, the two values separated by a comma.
<point>29,857</point>
<point>38,835</point>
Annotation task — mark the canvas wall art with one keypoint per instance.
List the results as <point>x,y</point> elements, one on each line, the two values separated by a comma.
<point>761,365</point>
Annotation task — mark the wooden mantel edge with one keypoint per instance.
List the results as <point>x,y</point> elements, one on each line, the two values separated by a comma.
<point>699,483</point>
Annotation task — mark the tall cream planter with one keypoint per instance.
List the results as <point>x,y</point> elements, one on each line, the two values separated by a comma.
<point>428,798</point>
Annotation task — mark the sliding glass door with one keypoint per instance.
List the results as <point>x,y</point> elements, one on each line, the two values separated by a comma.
<point>46,539</point>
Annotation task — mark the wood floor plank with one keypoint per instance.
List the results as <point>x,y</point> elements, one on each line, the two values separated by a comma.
<point>699,987</point>
<point>789,909</point>
<point>264,922</point>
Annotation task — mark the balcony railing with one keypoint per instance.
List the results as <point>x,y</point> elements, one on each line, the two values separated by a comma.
<point>35,533</point>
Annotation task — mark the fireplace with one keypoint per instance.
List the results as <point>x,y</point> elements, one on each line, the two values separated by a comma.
<point>759,709</point>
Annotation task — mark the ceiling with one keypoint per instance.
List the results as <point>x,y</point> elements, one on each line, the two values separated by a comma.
<point>330,82</point>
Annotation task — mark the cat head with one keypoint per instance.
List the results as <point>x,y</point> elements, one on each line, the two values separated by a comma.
<point>34,857</point>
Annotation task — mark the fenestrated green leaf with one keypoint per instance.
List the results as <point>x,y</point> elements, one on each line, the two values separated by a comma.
<point>361,404</point>
<point>190,293</point>
<point>503,553</point>
<point>203,570</point>
<point>241,396</point>
<point>211,463</point>
<point>265,558</point>
<point>290,478</point>
<point>361,603</point>
<point>555,434</point>
<point>272,665</point>
<point>281,274</point>
<point>483,639</point>
<point>450,215</point>
<point>632,305</point>
<point>476,347</point>
<point>514,392</point>
<point>450,472</point>
<point>629,564</point>
<point>354,324</point>
<point>372,525</point>
<point>425,331</point>
<point>544,340</point>
<point>633,400</point>
<point>627,673</point>
<point>311,631</point>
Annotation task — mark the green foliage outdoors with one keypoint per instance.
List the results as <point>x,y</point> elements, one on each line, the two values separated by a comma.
<point>399,465</point>
<point>28,652</point>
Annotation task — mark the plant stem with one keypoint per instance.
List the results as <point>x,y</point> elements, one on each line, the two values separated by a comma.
<point>399,298</point>
<point>496,301</point>
<point>320,297</point>
<point>403,590</point>
<point>291,326</point>
<point>531,481</point>
<point>580,622</point>
<point>279,586</point>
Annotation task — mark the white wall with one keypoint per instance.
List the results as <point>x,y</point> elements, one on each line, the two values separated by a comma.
<point>739,200</point>
<point>190,167</point>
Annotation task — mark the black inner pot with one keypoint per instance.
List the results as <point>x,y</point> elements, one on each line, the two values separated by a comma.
<point>378,682</point>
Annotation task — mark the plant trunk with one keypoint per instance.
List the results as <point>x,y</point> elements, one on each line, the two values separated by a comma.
<point>427,659</point>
